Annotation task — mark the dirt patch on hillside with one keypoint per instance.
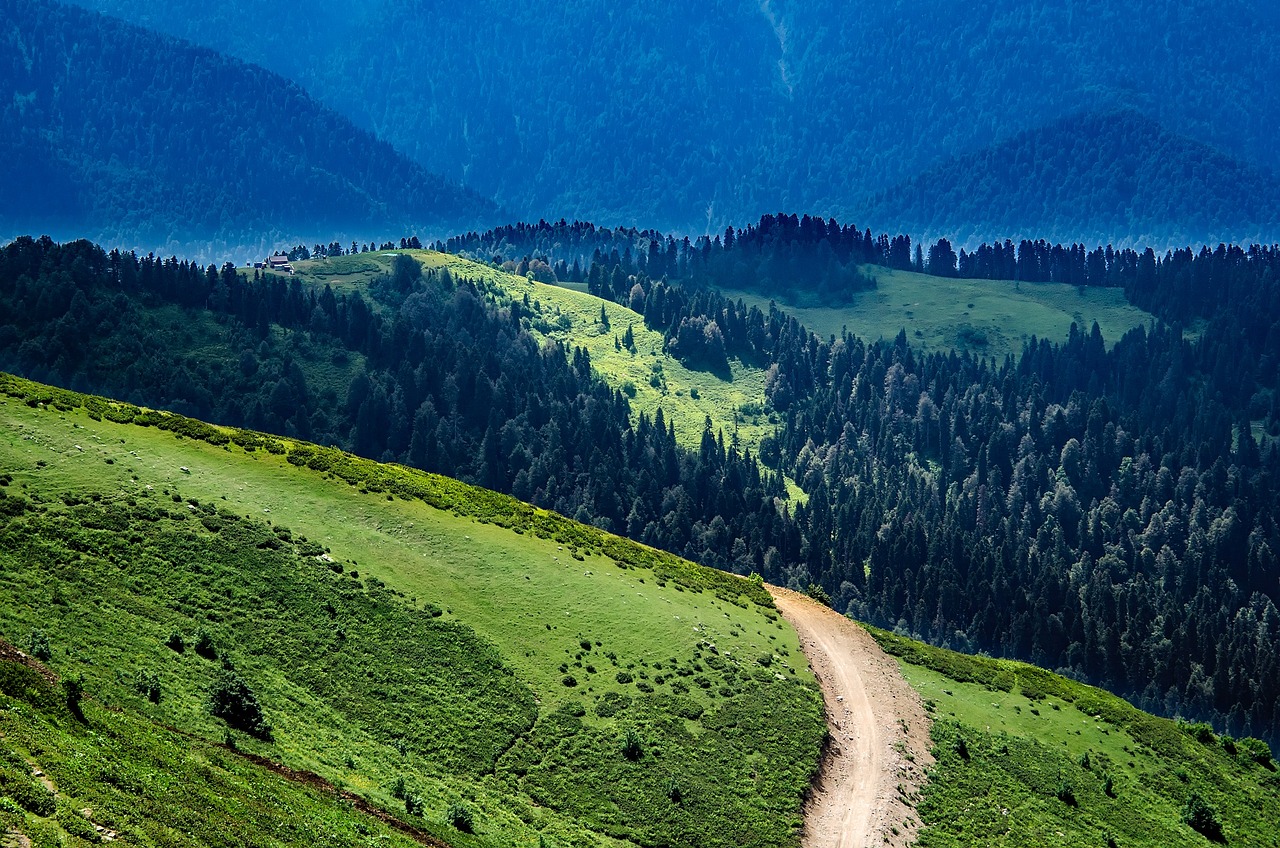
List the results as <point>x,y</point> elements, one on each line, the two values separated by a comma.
<point>875,762</point>
<point>8,653</point>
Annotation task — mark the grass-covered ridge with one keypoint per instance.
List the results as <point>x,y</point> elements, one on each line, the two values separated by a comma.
<point>437,649</point>
<point>650,378</point>
<point>1026,757</point>
<point>985,317</point>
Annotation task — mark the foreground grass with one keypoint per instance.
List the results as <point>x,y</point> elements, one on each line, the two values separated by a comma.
<point>144,785</point>
<point>986,317</point>
<point>1028,758</point>
<point>397,626</point>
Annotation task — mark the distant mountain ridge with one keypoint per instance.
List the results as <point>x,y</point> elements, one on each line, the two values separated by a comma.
<point>1113,177</point>
<point>111,131</point>
<point>690,117</point>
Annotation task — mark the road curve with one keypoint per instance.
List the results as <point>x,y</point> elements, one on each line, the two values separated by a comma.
<point>879,733</point>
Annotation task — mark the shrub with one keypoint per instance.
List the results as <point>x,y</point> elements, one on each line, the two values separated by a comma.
<point>147,685</point>
<point>819,594</point>
<point>176,642</point>
<point>204,645</point>
<point>413,803</point>
<point>73,688</point>
<point>1202,732</point>
<point>233,701</point>
<point>632,746</point>
<point>1065,793</point>
<point>611,703</point>
<point>459,816</point>
<point>38,646</point>
<point>1256,750</point>
<point>1201,817</point>
<point>674,791</point>
<point>624,677</point>
<point>569,680</point>
<point>398,789</point>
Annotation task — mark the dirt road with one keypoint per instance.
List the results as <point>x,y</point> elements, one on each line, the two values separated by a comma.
<point>879,733</point>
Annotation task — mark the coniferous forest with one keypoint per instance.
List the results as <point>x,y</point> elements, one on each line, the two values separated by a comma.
<point>1102,507</point>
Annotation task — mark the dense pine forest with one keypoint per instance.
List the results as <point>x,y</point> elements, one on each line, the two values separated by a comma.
<point>138,139</point>
<point>695,116</point>
<point>1103,507</point>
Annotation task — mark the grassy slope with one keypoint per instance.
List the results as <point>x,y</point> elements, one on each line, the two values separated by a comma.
<point>941,314</point>
<point>150,786</point>
<point>1026,731</point>
<point>573,317</point>
<point>534,600</point>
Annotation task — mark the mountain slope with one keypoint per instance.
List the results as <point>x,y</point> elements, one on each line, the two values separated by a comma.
<point>150,785</point>
<point>1114,177</point>
<point>1026,757</point>
<point>429,646</point>
<point>146,142</point>
<point>691,117</point>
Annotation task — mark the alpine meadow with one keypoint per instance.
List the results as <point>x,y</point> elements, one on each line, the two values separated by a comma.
<point>552,425</point>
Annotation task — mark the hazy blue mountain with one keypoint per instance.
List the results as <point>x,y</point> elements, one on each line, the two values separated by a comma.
<point>694,115</point>
<point>118,133</point>
<point>1112,177</point>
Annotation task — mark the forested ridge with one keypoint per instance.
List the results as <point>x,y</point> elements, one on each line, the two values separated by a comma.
<point>435,372</point>
<point>1113,175</point>
<point>1110,512</point>
<point>139,139</point>
<point>692,117</point>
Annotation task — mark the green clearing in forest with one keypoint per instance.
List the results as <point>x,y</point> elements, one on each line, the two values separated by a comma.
<point>649,377</point>
<point>500,668</point>
<point>985,317</point>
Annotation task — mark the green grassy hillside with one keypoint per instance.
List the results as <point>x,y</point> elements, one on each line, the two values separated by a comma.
<point>986,317</point>
<point>1026,757</point>
<point>445,652</point>
<point>649,377</point>
<point>111,774</point>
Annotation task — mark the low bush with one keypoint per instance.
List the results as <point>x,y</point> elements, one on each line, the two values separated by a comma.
<point>231,700</point>
<point>632,746</point>
<point>38,646</point>
<point>459,817</point>
<point>1201,817</point>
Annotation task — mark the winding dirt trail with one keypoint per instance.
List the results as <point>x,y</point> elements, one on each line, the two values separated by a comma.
<point>879,745</point>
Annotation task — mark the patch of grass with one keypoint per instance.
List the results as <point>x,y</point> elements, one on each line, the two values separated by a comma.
<point>149,786</point>
<point>421,639</point>
<point>986,317</point>
<point>1026,757</point>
